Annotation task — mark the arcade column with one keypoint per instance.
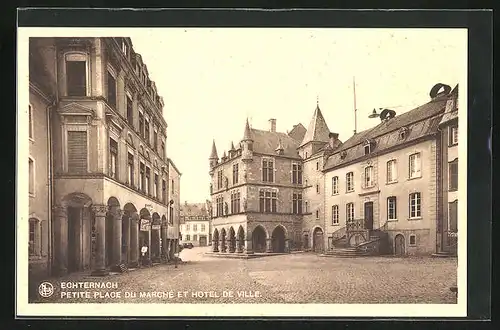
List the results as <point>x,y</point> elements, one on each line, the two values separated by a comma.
<point>100,225</point>
<point>117,237</point>
<point>61,239</point>
<point>248,246</point>
<point>269,246</point>
<point>134,241</point>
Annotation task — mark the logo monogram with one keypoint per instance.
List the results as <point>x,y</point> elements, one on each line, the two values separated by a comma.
<point>46,289</point>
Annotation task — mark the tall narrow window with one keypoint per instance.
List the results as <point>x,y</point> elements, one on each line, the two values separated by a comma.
<point>317,214</point>
<point>268,201</point>
<point>31,167</point>
<point>155,140</point>
<point>391,208</point>
<point>414,166</point>
<point>124,48</point>
<point>146,132</point>
<point>130,169</point>
<point>142,181</point>
<point>77,151</point>
<point>453,135</point>
<point>235,202</point>
<point>162,155</point>
<point>219,179</point>
<point>141,124</point>
<point>164,191</point>
<point>317,166</point>
<point>156,186</point>
<point>172,185</point>
<point>306,207</point>
<point>349,181</point>
<point>111,96</point>
<point>392,173</point>
<point>349,212</point>
<point>297,203</point>
<point>30,122</point>
<point>113,158</point>
<point>415,205</point>
<point>296,173</point>
<point>130,111</point>
<point>335,185</point>
<point>235,173</point>
<point>267,170</point>
<point>453,175</point>
<point>33,237</point>
<point>148,180</point>
<point>368,177</point>
<point>335,214</point>
<point>76,75</point>
<point>453,216</point>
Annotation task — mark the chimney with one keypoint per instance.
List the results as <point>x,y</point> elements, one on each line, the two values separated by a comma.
<point>272,125</point>
<point>333,137</point>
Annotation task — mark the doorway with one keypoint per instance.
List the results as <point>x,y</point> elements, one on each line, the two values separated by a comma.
<point>399,245</point>
<point>203,240</point>
<point>74,238</point>
<point>369,215</point>
<point>318,240</point>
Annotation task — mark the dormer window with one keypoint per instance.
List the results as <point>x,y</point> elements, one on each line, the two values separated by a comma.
<point>343,155</point>
<point>368,147</point>
<point>403,133</point>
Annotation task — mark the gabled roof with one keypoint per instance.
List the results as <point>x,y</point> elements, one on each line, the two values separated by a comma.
<point>173,165</point>
<point>265,142</point>
<point>194,209</point>
<point>421,121</point>
<point>317,131</point>
<point>298,131</point>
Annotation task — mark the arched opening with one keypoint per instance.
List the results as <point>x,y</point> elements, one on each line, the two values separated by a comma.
<point>241,239</point>
<point>305,242</point>
<point>215,240</point>
<point>144,235</point>
<point>259,237</point>
<point>155,237</point>
<point>223,246</point>
<point>79,241</point>
<point>399,245</point>
<point>232,240</point>
<point>278,239</point>
<point>318,240</point>
<point>113,232</point>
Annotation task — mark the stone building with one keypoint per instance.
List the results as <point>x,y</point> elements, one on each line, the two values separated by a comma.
<point>381,190</point>
<point>195,224</point>
<point>174,218</point>
<point>99,175</point>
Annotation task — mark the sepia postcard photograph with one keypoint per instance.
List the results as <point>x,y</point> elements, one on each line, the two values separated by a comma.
<point>242,172</point>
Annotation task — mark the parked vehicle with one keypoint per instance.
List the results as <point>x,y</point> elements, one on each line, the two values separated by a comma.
<point>188,245</point>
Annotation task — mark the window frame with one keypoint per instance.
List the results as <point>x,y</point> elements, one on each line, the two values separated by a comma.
<point>350,214</point>
<point>113,172</point>
<point>351,175</point>
<point>335,185</point>
<point>77,54</point>
<point>335,215</point>
<point>32,174</point>
<point>409,240</point>
<point>236,173</point>
<point>130,168</point>
<point>267,199</point>
<point>389,199</point>
<point>112,72</point>
<point>418,206</point>
<point>268,170</point>
<point>451,165</point>
<point>417,156</point>
<point>37,246</point>
<point>297,173</point>
<point>297,199</point>
<point>394,171</point>
<point>452,141</point>
<point>75,128</point>
<point>371,183</point>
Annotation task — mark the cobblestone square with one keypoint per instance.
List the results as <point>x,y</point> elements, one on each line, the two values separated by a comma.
<point>292,278</point>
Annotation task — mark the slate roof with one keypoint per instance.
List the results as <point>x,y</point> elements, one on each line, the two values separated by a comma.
<point>266,142</point>
<point>298,131</point>
<point>451,112</point>
<point>317,131</point>
<point>421,121</point>
<point>213,154</point>
<point>194,209</point>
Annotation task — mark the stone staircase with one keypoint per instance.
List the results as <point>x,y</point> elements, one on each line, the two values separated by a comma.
<point>375,245</point>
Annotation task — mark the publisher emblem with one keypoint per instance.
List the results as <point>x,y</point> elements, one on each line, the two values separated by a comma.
<point>46,289</point>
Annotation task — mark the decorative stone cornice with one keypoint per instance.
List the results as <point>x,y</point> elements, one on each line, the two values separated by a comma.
<point>100,210</point>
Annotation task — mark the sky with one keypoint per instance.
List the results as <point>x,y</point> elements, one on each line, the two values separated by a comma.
<point>211,80</point>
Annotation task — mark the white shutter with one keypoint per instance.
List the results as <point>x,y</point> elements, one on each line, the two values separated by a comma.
<point>77,151</point>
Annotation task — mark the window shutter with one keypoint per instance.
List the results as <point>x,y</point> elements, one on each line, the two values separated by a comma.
<point>77,152</point>
<point>453,216</point>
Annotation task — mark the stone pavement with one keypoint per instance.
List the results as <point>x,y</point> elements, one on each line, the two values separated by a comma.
<point>293,278</point>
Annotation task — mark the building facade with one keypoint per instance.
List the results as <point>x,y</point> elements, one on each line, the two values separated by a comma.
<point>308,190</point>
<point>173,229</point>
<point>195,224</point>
<point>99,174</point>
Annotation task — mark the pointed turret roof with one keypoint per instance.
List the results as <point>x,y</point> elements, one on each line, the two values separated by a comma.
<point>317,130</point>
<point>232,146</point>
<point>213,155</point>
<point>247,136</point>
<point>224,155</point>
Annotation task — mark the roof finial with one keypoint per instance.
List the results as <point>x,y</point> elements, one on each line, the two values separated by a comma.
<point>317,100</point>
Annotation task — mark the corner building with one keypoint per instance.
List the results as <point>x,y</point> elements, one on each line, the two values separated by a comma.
<point>109,175</point>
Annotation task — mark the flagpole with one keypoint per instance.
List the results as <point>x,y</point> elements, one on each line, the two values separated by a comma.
<point>355,110</point>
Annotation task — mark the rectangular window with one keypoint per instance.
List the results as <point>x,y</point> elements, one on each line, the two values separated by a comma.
<point>349,181</point>
<point>195,237</point>
<point>297,203</point>
<point>195,227</point>
<point>142,181</point>
<point>77,151</point>
<point>113,158</point>
<point>415,205</point>
<point>235,202</point>
<point>164,191</point>
<point>171,215</point>
<point>76,77</point>
<point>453,216</point>
<point>148,180</point>
<point>349,212</point>
<point>235,173</point>
<point>317,214</point>
<point>317,188</point>
<point>172,187</point>
<point>296,173</point>
<point>335,185</point>
<point>220,206</point>
<point>130,111</point>
<point>124,48</point>
<point>156,186</point>
<point>30,121</point>
<point>31,166</point>
<point>130,169</point>
<point>187,227</point>
<point>414,166</point>
<point>147,136</point>
<point>155,140</point>
<point>453,135</point>
<point>162,155</point>
<point>267,201</point>
<point>391,208</point>
<point>392,173</point>
<point>32,237</point>
<point>219,179</point>
<point>267,170</point>
<point>453,175</point>
<point>335,215</point>
<point>413,240</point>
<point>188,237</point>
<point>203,227</point>
<point>368,177</point>
<point>306,206</point>
<point>317,166</point>
<point>111,96</point>
<point>141,124</point>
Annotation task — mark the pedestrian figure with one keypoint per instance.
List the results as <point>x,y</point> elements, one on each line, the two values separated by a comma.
<point>144,251</point>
